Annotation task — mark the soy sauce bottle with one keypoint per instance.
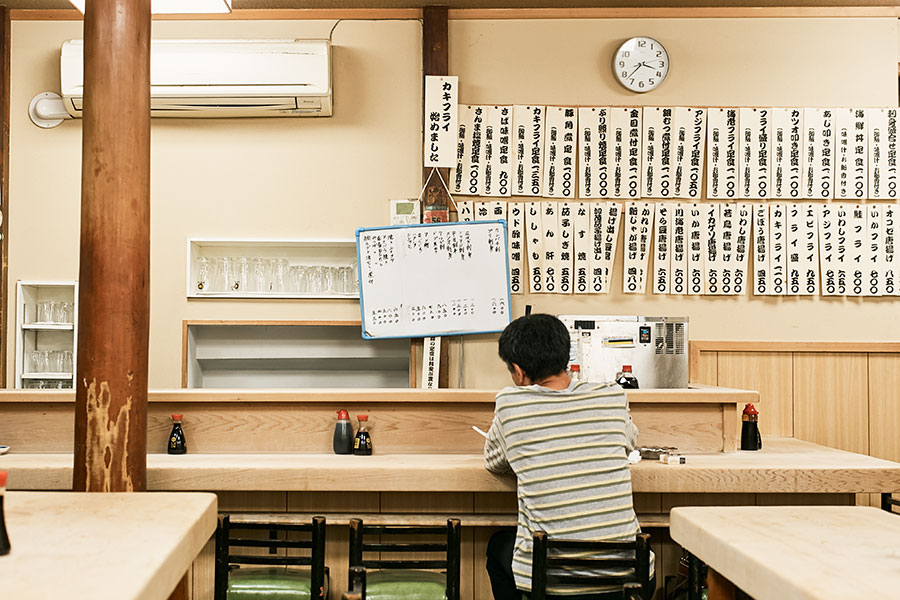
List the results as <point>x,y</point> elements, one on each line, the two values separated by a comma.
<point>626,379</point>
<point>343,434</point>
<point>362,443</point>
<point>4,538</point>
<point>177,444</point>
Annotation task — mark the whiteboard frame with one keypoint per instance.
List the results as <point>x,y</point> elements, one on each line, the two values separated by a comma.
<point>362,308</point>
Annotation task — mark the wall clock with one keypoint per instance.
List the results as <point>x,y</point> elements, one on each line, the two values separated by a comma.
<point>641,64</point>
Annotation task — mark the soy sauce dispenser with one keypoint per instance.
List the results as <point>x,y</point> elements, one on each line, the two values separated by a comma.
<point>343,434</point>
<point>177,444</point>
<point>626,378</point>
<point>4,538</point>
<point>362,443</point>
<point>750,437</point>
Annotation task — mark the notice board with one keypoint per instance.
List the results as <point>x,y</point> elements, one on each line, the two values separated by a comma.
<point>433,279</point>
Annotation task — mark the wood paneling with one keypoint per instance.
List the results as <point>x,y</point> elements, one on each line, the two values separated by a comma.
<point>770,373</point>
<point>690,427</point>
<point>831,399</point>
<point>670,501</point>
<point>203,571</point>
<point>703,368</point>
<point>252,501</point>
<point>884,406</point>
<point>5,35</point>
<point>804,499</point>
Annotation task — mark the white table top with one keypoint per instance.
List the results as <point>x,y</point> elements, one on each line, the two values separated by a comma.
<point>796,552</point>
<point>134,546</point>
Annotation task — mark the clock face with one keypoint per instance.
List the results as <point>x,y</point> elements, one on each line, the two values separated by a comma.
<point>641,64</point>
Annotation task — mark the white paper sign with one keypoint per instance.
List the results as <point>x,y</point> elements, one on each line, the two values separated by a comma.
<point>662,249</point>
<point>476,161</point>
<point>828,248</point>
<point>742,229</point>
<point>639,228</point>
<point>856,266</point>
<point>725,236</point>
<point>889,228</point>
<point>566,246</point>
<point>483,210</point>
<point>582,245</point>
<point>712,245</point>
<point>441,98</point>
<point>528,122</point>
<point>535,238</point>
<point>626,152</point>
<point>498,166</point>
<point>874,255</point>
<point>560,151</point>
<point>761,278</point>
<point>722,168</point>
<point>465,210</point>
<point>802,249</point>
<point>591,145</point>
<point>606,218</point>
<point>696,250</point>
<point>755,160</point>
<point>882,153</point>
<point>431,362</point>
<point>462,178</point>
<point>819,152</point>
<point>516,247</point>
<point>658,143</point>
<point>787,153</point>
<point>778,249</point>
<point>690,137</point>
<point>679,249</point>
<point>550,221</point>
<point>851,131</point>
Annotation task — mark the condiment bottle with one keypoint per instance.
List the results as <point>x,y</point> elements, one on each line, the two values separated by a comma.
<point>177,444</point>
<point>575,372</point>
<point>750,437</point>
<point>343,434</point>
<point>362,443</point>
<point>4,538</point>
<point>625,379</point>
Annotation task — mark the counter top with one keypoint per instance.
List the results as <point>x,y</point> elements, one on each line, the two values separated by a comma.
<point>131,546</point>
<point>796,552</point>
<point>785,465</point>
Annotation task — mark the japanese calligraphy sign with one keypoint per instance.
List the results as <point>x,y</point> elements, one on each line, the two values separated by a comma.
<point>851,138</point>
<point>465,210</point>
<point>560,152</point>
<point>829,213</point>
<point>696,250</point>
<point>431,363</point>
<point>761,277</point>
<point>566,233</point>
<point>497,151</point>
<point>593,152</point>
<point>679,249</point>
<point>787,153</point>
<point>874,267</point>
<point>690,140</point>
<point>606,218</point>
<point>582,245</point>
<point>819,152</point>
<point>889,230</point>
<point>468,178</point>
<point>856,250</point>
<point>550,221</point>
<point>662,249</point>
<point>742,229</point>
<point>626,152</point>
<point>482,210</point>
<point>658,146</point>
<point>755,159</point>
<point>535,240</point>
<point>498,209</point>
<point>802,249</point>
<point>441,99</point>
<point>722,162</point>
<point>516,243</point>
<point>882,153</point>
<point>638,241</point>
<point>725,240</point>
<point>528,153</point>
<point>712,246</point>
<point>778,249</point>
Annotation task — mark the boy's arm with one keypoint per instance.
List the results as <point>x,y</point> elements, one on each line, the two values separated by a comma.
<point>495,450</point>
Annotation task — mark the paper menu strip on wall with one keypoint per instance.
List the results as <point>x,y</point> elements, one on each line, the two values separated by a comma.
<point>787,153</point>
<point>802,249</point>
<point>497,159</point>
<point>516,247</point>
<point>679,249</point>
<point>725,238</point>
<point>851,178</point>
<point>498,209</point>
<point>441,99</point>
<point>465,210</point>
<point>626,154</point>
<point>550,221</point>
<point>462,180</point>
<point>606,218</point>
<point>761,273</point>
<point>528,122</point>
<point>828,238</point>
<point>476,153</point>
<point>755,158</point>
<point>778,249</point>
<point>742,229</point>
<point>856,250</point>
<point>696,250</point>
<point>535,250</point>
<point>690,140</point>
<point>889,230</point>
<point>483,210</point>
<point>560,152</point>
<point>874,267</point>
<point>811,249</point>
<point>722,142</point>
<point>819,156</point>
<point>709,219</point>
<point>882,153</point>
<point>662,245</point>
<point>582,248</point>
<point>566,233</point>
<point>638,242</point>
<point>658,145</point>
<point>593,133</point>
<point>795,266</point>
<point>490,146</point>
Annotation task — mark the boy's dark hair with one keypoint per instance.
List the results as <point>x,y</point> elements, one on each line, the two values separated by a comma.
<point>538,343</point>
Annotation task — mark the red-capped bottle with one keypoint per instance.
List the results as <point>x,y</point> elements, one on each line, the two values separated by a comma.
<point>750,436</point>
<point>4,538</point>
<point>343,434</point>
<point>626,379</point>
<point>177,444</point>
<point>362,443</point>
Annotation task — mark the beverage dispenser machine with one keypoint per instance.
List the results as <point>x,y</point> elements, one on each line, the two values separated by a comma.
<point>656,348</point>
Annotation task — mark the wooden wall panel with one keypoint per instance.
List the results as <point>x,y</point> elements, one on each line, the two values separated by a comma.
<point>203,572</point>
<point>884,406</point>
<point>769,373</point>
<point>703,367</point>
<point>831,399</point>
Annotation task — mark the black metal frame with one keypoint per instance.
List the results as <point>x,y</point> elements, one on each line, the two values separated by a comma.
<point>888,502</point>
<point>358,566</point>
<point>225,560</point>
<point>640,564</point>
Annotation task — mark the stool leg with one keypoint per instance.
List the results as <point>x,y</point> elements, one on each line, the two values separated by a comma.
<point>694,579</point>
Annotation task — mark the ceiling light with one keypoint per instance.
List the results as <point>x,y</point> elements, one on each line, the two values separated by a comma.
<point>189,7</point>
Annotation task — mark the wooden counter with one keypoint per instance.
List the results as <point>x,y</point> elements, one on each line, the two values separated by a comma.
<point>102,546</point>
<point>796,552</point>
<point>783,466</point>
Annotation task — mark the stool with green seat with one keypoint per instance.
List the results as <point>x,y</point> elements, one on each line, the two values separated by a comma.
<point>274,575</point>
<point>405,578</point>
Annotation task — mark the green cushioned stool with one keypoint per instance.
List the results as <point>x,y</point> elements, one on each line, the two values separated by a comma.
<point>403,578</point>
<point>280,578</point>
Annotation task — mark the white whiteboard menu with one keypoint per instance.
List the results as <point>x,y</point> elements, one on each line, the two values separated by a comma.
<point>434,279</point>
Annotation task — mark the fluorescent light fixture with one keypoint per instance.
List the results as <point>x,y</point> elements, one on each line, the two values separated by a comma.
<point>168,7</point>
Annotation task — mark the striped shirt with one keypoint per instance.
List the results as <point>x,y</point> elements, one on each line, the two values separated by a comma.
<point>568,449</point>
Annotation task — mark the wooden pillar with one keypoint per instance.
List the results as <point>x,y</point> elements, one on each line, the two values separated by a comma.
<point>4,188</point>
<point>114,275</point>
<point>435,61</point>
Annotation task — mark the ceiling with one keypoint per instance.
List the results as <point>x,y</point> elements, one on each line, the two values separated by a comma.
<point>262,4</point>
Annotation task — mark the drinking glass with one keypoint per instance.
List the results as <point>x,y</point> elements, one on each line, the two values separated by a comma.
<point>44,314</point>
<point>279,274</point>
<point>347,283</point>
<point>37,363</point>
<point>67,362</point>
<point>299,283</point>
<point>315,280</point>
<point>202,275</point>
<point>329,280</point>
<point>55,361</point>
<point>256,276</point>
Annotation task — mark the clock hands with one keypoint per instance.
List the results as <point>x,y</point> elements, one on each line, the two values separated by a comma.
<point>635,70</point>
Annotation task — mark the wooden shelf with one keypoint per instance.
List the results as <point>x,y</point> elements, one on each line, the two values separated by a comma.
<point>46,375</point>
<point>48,327</point>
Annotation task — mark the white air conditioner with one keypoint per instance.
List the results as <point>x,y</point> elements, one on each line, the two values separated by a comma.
<point>223,78</point>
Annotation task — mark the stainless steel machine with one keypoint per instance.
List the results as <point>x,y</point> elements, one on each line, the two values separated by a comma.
<point>655,347</point>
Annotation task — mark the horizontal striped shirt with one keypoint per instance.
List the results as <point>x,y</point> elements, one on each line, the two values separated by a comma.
<point>568,449</point>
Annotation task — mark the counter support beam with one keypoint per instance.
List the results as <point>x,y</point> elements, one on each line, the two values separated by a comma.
<point>114,275</point>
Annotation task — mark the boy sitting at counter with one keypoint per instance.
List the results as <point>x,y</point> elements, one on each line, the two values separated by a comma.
<point>567,443</point>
